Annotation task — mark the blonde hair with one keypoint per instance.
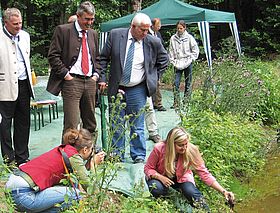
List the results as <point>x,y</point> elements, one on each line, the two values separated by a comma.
<point>156,21</point>
<point>9,12</point>
<point>192,156</point>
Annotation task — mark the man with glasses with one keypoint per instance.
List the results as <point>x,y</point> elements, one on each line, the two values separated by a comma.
<point>136,59</point>
<point>74,61</point>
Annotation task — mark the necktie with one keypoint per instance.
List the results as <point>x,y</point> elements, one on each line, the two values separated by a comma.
<point>128,63</point>
<point>85,66</point>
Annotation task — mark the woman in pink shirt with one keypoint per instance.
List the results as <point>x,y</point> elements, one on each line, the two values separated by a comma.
<point>170,164</point>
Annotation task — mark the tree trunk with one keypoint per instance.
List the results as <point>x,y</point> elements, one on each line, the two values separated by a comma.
<point>4,5</point>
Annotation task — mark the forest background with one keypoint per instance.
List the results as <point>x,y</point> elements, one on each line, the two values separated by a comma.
<point>258,22</point>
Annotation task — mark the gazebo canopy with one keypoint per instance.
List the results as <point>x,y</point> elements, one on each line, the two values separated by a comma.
<point>171,11</point>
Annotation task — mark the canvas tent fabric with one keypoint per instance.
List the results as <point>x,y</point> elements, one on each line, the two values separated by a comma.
<point>171,11</point>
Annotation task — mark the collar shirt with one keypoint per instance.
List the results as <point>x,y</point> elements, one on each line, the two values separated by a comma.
<point>138,71</point>
<point>21,68</point>
<point>77,67</point>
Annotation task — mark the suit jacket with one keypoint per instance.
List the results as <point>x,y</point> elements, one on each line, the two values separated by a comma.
<point>8,65</point>
<point>155,60</point>
<point>64,51</point>
<point>158,35</point>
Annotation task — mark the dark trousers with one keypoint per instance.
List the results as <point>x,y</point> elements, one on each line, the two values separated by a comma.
<point>188,83</point>
<point>188,189</point>
<point>79,103</point>
<point>16,113</point>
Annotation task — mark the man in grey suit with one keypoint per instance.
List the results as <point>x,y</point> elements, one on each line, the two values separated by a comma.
<point>149,59</point>
<point>74,61</point>
<point>16,88</point>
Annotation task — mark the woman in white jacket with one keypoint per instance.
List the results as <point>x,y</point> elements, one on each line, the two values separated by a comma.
<point>183,50</point>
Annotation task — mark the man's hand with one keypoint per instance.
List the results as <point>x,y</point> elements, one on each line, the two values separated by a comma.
<point>95,78</point>
<point>102,86</point>
<point>68,77</point>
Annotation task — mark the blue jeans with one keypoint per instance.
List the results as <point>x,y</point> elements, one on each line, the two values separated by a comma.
<point>188,189</point>
<point>188,82</point>
<point>27,200</point>
<point>135,99</point>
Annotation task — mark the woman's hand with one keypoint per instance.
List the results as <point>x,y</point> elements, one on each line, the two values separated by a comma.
<point>165,180</point>
<point>99,157</point>
<point>229,196</point>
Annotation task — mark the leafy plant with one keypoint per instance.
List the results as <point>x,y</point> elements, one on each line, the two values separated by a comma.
<point>39,64</point>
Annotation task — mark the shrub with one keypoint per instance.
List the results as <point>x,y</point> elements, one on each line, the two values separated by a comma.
<point>232,146</point>
<point>269,79</point>
<point>39,64</point>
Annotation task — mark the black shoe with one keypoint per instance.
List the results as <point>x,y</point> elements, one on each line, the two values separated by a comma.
<point>22,162</point>
<point>161,108</point>
<point>138,160</point>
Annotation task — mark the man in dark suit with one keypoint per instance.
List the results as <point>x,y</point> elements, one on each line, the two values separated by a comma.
<point>149,59</point>
<point>74,61</point>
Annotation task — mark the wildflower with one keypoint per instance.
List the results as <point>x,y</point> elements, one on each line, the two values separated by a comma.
<point>260,82</point>
<point>246,74</point>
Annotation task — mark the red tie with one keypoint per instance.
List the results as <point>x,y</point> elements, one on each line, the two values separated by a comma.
<point>85,67</point>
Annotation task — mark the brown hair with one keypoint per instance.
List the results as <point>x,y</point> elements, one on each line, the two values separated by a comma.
<point>181,22</point>
<point>86,7</point>
<point>78,138</point>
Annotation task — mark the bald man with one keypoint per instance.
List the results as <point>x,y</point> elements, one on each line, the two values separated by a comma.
<point>72,19</point>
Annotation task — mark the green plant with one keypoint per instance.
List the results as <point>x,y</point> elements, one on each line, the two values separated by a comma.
<point>232,147</point>
<point>269,104</point>
<point>39,64</point>
<point>229,87</point>
<point>6,202</point>
<point>227,48</point>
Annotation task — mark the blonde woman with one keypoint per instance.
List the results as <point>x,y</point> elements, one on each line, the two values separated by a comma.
<point>170,164</point>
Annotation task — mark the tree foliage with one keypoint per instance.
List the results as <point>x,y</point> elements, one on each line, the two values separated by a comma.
<point>258,20</point>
